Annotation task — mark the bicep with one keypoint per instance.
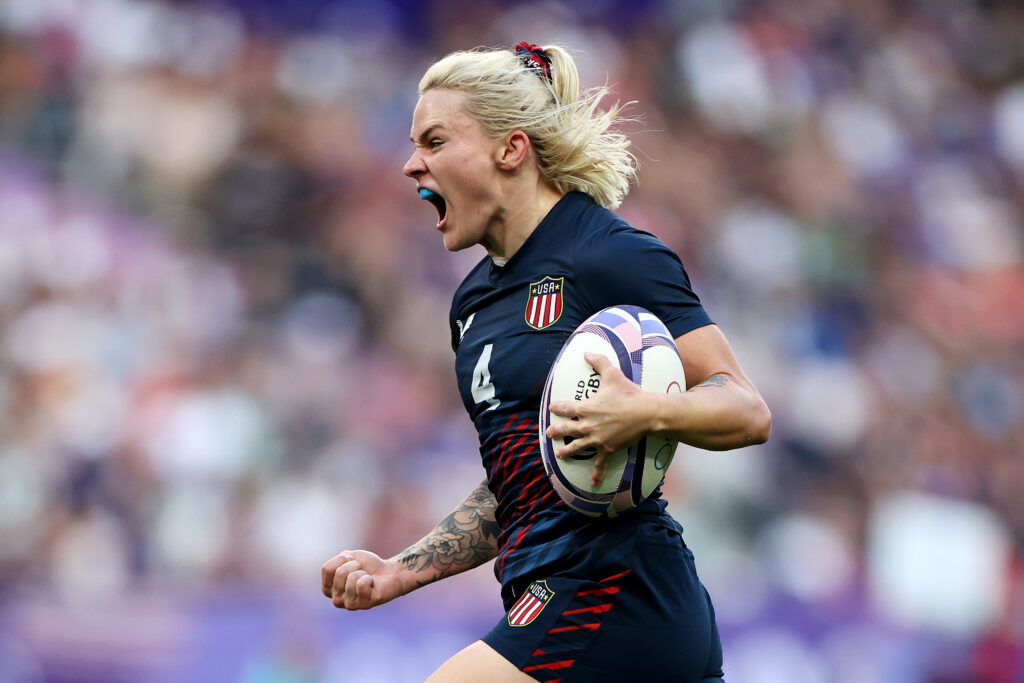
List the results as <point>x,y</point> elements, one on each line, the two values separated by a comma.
<point>706,352</point>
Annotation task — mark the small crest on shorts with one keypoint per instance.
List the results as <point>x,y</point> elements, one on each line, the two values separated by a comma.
<point>544,307</point>
<point>530,604</point>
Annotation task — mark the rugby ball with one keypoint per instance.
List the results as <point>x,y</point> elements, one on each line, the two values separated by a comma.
<point>640,345</point>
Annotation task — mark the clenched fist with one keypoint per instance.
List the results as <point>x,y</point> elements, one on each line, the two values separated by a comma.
<point>359,579</point>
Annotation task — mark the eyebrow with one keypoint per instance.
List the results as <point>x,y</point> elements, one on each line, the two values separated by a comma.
<point>426,133</point>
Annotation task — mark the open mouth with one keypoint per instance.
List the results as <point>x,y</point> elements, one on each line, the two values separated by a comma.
<point>438,202</point>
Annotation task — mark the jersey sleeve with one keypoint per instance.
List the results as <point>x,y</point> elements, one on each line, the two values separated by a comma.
<point>626,266</point>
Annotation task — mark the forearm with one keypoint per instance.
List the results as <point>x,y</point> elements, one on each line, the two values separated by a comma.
<point>465,539</point>
<point>720,413</point>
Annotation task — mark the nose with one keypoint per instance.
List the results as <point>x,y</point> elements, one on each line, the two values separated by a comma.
<point>414,166</point>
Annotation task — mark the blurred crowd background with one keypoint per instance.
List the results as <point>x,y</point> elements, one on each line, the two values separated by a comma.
<point>224,352</point>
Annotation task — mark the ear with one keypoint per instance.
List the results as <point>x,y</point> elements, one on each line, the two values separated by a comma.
<point>513,150</point>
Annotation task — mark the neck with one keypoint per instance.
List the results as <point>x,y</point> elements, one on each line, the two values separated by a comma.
<point>517,218</point>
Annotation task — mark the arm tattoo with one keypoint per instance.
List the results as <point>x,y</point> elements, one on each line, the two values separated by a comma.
<point>714,381</point>
<point>466,538</point>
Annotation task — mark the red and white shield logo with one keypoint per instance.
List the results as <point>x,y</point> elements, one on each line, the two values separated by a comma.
<point>531,604</point>
<point>544,307</point>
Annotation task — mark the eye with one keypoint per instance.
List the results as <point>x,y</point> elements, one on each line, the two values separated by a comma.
<point>435,143</point>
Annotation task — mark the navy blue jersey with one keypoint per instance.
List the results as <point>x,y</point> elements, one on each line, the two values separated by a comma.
<point>508,324</point>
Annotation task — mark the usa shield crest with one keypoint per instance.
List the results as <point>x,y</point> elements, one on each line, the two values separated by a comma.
<point>544,307</point>
<point>529,606</point>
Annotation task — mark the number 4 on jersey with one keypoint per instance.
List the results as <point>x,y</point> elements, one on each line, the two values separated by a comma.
<point>483,387</point>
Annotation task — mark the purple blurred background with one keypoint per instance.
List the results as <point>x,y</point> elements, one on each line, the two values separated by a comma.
<point>224,350</point>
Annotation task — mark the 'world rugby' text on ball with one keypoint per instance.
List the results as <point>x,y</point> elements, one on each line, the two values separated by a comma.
<point>639,344</point>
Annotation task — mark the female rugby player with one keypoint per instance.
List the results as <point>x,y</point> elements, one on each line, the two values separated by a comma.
<point>515,158</point>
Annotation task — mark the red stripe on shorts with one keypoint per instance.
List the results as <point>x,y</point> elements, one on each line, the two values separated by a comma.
<point>591,627</point>
<point>616,576</point>
<point>596,609</point>
<point>564,664</point>
<point>610,590</point>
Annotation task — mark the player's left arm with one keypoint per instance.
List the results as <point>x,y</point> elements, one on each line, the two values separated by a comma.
<point>721,408</point>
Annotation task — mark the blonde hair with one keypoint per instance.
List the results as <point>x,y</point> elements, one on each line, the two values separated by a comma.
<point>575,146</point>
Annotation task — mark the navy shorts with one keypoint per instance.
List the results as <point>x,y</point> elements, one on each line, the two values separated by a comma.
<point>625,605</point>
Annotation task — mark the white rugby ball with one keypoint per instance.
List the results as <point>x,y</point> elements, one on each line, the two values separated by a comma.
<point>640,345</point>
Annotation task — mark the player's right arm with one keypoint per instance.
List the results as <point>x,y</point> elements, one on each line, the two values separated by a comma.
<point>467,538</point>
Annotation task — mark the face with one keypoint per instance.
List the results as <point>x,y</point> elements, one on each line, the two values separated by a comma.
<point>456,161</point>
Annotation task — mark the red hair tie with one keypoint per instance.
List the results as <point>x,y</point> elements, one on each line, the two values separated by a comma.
<point>534,58</point>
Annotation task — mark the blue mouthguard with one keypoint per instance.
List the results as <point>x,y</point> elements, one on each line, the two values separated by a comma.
<point>427,193</point>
